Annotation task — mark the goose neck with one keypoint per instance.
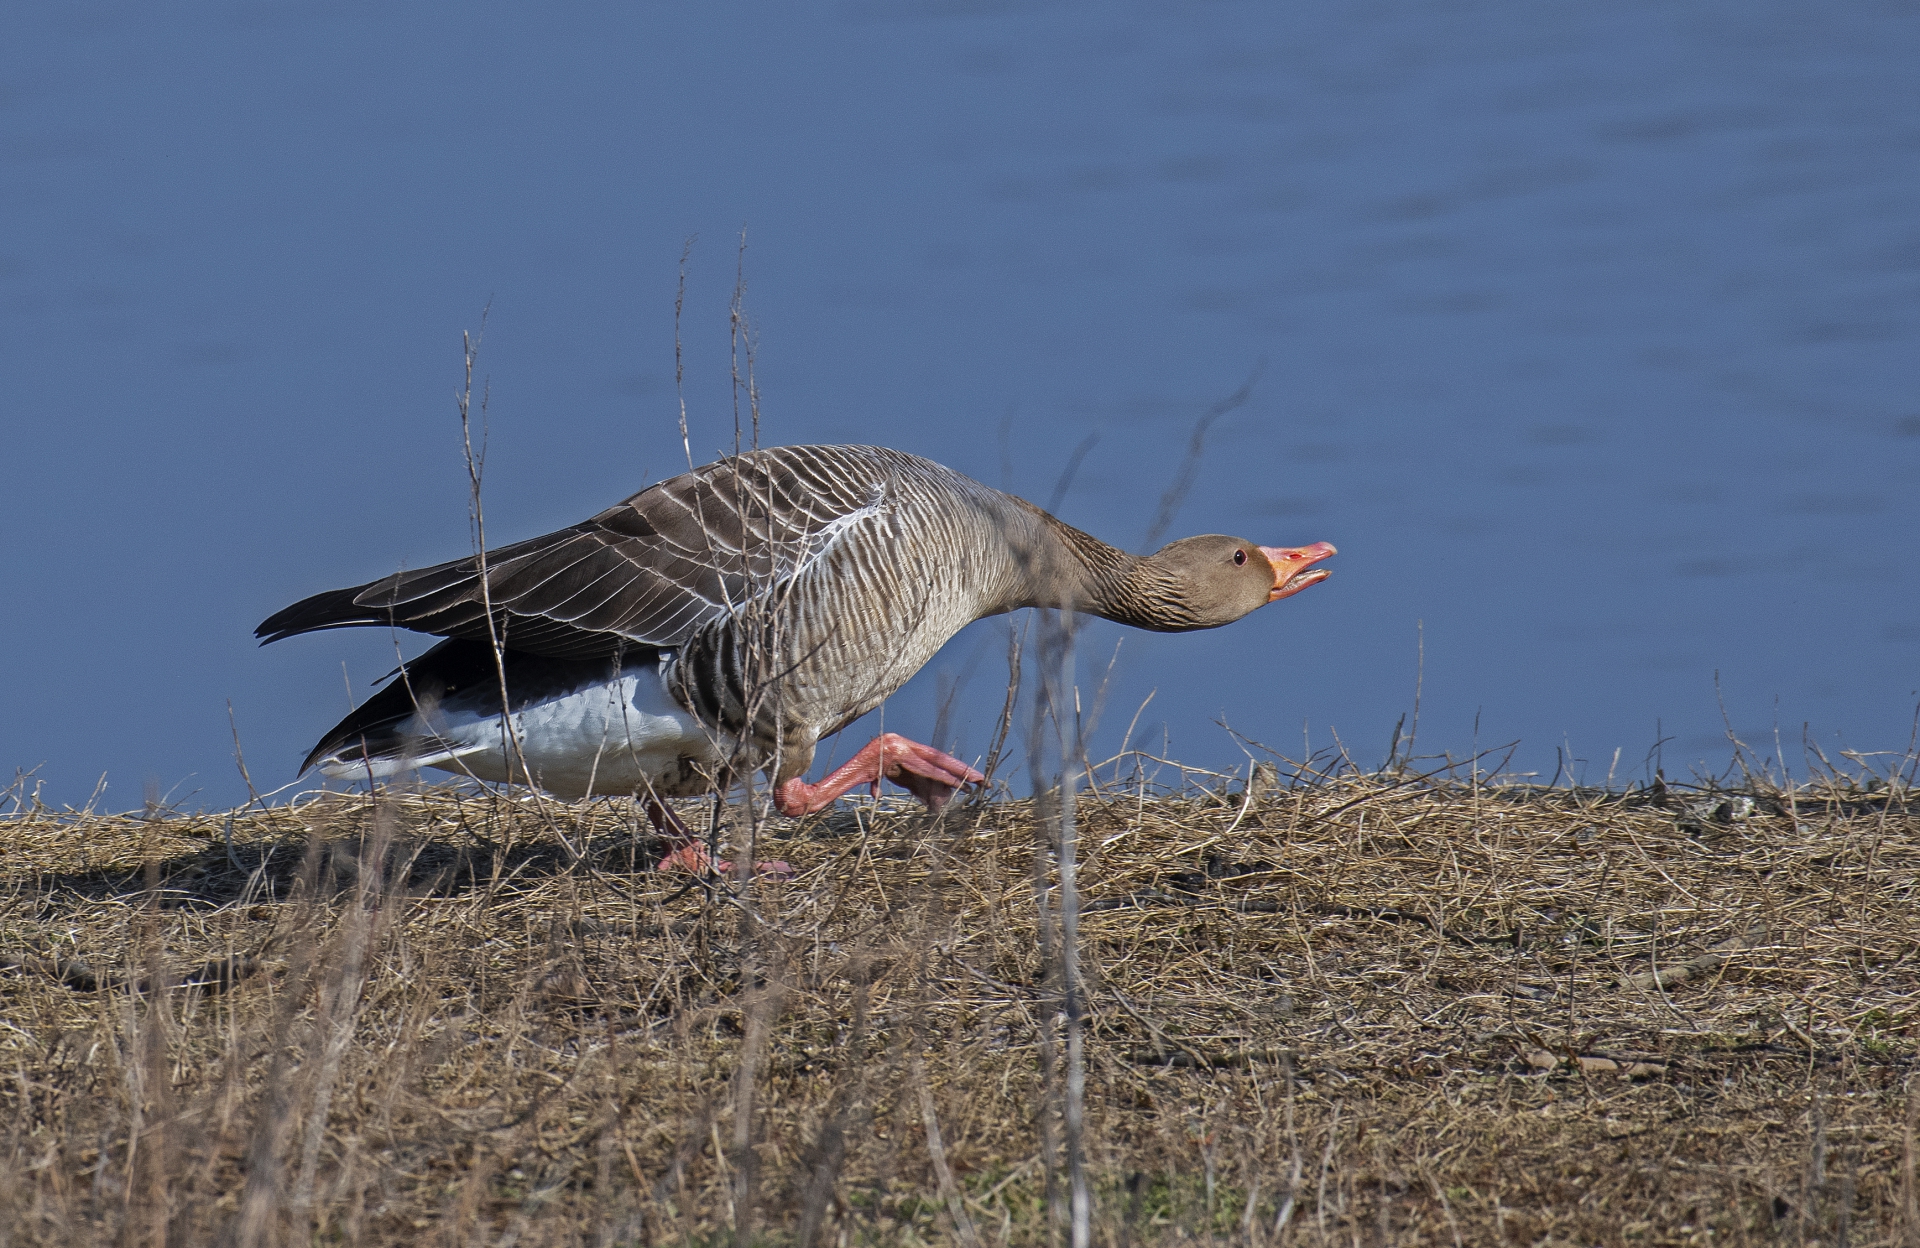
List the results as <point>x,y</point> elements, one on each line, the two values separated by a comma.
<point>1090,576</point>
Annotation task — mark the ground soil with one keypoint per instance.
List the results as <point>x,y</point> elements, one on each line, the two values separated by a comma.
<point>1368,1009</point>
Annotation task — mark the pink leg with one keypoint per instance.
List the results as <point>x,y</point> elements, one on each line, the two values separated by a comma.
<point>689,854</point>
<point>930,775</point>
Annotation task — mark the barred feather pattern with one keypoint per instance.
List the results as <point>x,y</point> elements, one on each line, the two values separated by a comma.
<point>925,552</point>
<point>649,570</point>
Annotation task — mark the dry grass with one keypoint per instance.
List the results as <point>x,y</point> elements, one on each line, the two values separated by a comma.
<point>1362,1010</point>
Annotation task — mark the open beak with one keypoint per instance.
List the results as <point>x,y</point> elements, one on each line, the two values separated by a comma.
<point>1293,568</point>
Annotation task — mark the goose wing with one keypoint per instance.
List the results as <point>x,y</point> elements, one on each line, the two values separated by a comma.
<point>647,571</point>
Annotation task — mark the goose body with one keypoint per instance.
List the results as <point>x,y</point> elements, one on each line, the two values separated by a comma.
<point>728,618</point>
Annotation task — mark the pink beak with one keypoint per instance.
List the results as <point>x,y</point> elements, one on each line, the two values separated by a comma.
<point>1293,568</point>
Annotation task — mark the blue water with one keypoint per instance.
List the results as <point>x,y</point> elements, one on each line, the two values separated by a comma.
<point>1586,332</point>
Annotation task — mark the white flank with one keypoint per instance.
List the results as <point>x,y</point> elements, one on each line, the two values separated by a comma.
<point>618,736</point>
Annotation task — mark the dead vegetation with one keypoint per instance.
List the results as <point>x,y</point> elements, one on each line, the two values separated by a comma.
<point>1358,1009</point>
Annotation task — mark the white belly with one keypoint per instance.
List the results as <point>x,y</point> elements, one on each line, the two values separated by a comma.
<point>620,736</point>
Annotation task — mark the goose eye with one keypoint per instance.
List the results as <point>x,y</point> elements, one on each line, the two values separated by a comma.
<point>1239,557</point>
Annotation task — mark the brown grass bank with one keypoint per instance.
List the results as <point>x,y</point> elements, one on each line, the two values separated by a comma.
<point>1363,1010</point>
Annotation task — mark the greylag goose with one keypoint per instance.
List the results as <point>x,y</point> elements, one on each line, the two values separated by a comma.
<point>725,620</point>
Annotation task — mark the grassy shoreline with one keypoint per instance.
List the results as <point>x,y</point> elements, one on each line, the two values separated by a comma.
<point>1373,1009</point>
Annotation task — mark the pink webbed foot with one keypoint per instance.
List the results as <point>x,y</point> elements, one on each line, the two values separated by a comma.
<point>925,772</point>
<point>689,854</point>
<point>694,860</point>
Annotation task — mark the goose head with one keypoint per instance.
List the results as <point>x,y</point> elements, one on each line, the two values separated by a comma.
<point>1211,580</point>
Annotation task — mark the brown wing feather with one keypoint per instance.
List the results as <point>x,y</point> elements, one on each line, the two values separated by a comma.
<point>650,570</point>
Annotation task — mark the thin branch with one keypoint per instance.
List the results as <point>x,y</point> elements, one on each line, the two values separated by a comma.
<point>1189,470</point>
